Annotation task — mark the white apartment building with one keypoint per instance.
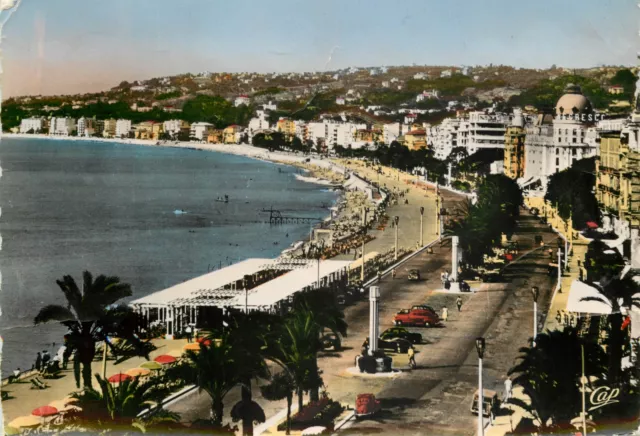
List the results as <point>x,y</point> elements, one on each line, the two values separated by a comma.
<point>109,130</point>
<point>481,130</point>
<point>123,127</point>
<point>86,127</point>
<point>554,144</point>
<point>446,73</point>
<point>62,126</point>
<point>242,99</point>
<point>257,124</point>
<point>392,131</point>
<point>434,93</point>
<point>270,106</point>
<point>421,76</point>
<point>38,125</point>
<point>200,131</point>
<point>443,137</point>
<point>332,133</point>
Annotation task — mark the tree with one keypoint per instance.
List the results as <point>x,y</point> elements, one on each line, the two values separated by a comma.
<point>281,387</point>
<point>549,373</point>
<point>616,293</point>
<point>165,136</point>
<point>216,369</point>
<point>91,319</point>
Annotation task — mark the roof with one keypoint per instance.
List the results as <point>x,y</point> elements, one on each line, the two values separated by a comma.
<point>210,281</point>
<point>288,284</point>
<point>416,132</point>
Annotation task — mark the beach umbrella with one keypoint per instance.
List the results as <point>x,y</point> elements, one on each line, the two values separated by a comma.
<point>165,359</point>
<point>43,411</point>
<point>316,430</point>
<point>10,431</point>
<point>118,378</point>
<point>25,421</point>
<point>192,347</point>
<point>204,341</point>
<point>175,353</point>
<point>137,372</point>
<point>151,365</point>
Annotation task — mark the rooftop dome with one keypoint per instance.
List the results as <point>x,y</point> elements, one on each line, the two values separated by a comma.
<point>572,102</point>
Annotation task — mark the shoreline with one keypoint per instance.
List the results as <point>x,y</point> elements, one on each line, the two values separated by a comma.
<point>319,171</point>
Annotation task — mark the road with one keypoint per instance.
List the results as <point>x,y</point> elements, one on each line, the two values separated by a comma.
<point>436,397</point>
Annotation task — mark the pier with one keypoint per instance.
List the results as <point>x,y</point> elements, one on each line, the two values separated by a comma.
<point>276,218</point>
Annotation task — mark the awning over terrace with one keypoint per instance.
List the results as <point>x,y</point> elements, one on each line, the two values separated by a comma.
<point>208,285</point>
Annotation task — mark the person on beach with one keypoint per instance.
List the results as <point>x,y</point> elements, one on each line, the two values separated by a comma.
<point>445,314</point>
<point>393,273</point>
<point>38,361</point>
<point>45,358</point>
<point>508,384</point>
<point>188,333</point>
<point>459,303</point>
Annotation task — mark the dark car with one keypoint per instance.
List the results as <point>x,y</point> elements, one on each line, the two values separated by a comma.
<point>398,345</point>
<point>414,275</point>
<point>331,342</point>
<point>401,333</point>
<point>464,287</point>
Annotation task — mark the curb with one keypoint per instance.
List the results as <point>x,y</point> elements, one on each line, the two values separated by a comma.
<point>170,399</point>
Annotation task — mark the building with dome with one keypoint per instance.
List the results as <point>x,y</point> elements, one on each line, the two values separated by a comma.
<point>554,142</point>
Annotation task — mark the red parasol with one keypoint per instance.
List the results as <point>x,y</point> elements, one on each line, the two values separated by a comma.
<point>44,411</point>
<point>204,341</point>
<point>165,359</point>
<point>118,378</point>
<point>592,225</point>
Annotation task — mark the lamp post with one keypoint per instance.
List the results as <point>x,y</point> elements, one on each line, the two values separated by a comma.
<point>535,293</point>
<point>437,213</point>
<point>583,379</point>
<point>480,346</point>
<point>396,219</point>
<point>364,236</point>
<point>421,220</point>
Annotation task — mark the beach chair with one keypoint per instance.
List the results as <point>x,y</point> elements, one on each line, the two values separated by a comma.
<point>37,384</point>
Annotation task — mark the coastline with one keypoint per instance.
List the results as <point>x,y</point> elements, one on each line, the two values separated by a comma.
<point>320,171</point>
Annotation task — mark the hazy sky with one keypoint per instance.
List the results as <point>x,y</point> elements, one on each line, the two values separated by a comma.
<point>75,46</point>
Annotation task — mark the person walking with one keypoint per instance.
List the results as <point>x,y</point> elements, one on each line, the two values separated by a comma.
<point>445,314</point>
<point>188,333</point>
<point>38,361</point>
<point>393,273</point>
<point>508,385</point>
<point>45,358</point>
<point>412,359</point>
<point>459,303</point>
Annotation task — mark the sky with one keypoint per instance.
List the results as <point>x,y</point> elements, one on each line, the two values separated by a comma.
<point>78,46</point>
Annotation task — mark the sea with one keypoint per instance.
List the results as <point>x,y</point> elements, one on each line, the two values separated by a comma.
<point>146,214</point>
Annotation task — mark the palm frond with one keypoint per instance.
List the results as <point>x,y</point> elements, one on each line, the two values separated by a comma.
<point>54,312</point>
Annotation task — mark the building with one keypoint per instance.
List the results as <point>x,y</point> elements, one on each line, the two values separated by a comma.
<point>481,130</point>
<point>148,130</point>
<point>200,131</point>
<point>514,160</point>
<point>340,101</point>
<point>34,125</point>
<point>434,93</point>
<point>62,126</point>
<point>109,128</point>
<point>421,76</point>
<point>174,127</point>
<point>123,128</point>
<point>415,139</point>
<point>553,144</point>
<point>443,137</point>
<point>392,131</point>
<point>231,134</point>
<point>446,73</point>
<point>287,127</point>
<point>215,136</point>
<point>615,89</point>
<point>86,127</point>
<point>242,100</point>
<point>331,133</point>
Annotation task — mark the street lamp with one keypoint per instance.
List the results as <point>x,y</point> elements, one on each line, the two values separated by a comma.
<point>480,346</point>
<point>396,219</point>
<point>421,218</point>
<point>535,293</point>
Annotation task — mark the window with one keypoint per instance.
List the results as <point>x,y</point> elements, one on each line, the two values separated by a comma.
<point>557,161</point>
<point>557,151</point>
<point>574,140</point>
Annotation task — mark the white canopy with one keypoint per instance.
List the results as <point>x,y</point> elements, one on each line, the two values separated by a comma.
<point>288,284</point>
<point>580,290</point>
<point>211,281</point>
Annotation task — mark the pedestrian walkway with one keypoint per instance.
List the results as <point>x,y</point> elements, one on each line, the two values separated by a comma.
<point>23,399</point>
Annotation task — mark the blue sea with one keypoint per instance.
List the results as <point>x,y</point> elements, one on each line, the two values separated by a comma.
<point>148,215</point>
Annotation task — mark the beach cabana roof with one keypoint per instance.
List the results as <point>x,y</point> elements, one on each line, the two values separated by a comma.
<point>298,279</point>
<point>204,284</point>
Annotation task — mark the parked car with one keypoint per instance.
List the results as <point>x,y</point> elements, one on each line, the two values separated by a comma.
<point>414,275</point>
<point>366,405</point>
<point>331,342</point>
<point>397,345</point>
<point>464,287</point>
<point>419,317</point>
<point>424,307</point>
<point>489,401</point>
<point>401,333</point>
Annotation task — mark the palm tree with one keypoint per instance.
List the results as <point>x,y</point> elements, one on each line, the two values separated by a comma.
<point>120,404</point>
<point>549,374</point>
<point>216,369</point>
<point>616,293</point>
<point>281,387</point>
<point>296,350</point>
<point>91,317</point>
<point>242,330</point>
